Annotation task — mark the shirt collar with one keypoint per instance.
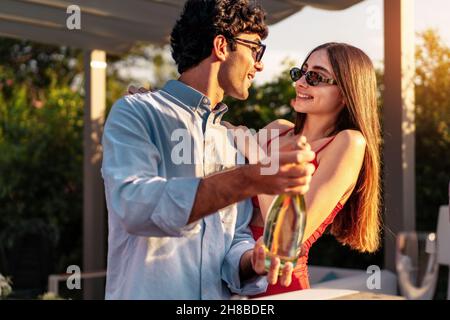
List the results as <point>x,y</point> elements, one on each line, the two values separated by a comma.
<point>187,95</point>
<point>194,99</point>
<point>219,111</point>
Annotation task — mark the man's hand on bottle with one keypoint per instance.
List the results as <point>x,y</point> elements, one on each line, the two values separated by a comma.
<point>290,172</point>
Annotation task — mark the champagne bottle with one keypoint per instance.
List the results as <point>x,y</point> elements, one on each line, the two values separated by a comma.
<point>284,228</point>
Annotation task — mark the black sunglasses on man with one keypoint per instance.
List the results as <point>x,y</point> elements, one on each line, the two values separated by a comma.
<point>258,51</point>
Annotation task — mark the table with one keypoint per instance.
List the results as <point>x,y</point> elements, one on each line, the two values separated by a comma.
<point>330,294</point>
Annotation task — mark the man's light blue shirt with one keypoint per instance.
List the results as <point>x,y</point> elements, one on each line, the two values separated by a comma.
<point>156,148</point>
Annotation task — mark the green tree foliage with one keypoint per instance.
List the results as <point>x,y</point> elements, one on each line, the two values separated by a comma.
<point>432,135</point>
<point>40,149</point>
<point>432,128</point>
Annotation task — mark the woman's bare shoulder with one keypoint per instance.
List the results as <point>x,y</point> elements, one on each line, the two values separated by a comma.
<point>353,139</point>
<point>347,143</point>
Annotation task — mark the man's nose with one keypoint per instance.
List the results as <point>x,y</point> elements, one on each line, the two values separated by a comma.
<point>259,66</point>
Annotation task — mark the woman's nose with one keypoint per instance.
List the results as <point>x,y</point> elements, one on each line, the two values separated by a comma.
<point>301,82</point>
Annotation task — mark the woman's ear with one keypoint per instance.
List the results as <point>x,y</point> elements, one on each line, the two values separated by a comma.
<point>220,47</point>
<point>343,100</point>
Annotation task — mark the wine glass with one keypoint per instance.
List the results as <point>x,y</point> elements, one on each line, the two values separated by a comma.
<point>416,264</point>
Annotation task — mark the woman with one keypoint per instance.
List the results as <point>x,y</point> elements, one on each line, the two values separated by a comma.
<point>337,113</point>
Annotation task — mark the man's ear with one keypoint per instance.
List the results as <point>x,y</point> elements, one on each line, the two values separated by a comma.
<point>220,47</point>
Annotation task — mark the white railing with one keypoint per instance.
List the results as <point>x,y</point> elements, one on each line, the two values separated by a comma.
<point>55,279</point>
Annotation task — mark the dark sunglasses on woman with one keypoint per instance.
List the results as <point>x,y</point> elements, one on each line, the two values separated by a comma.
<point>312,77</point>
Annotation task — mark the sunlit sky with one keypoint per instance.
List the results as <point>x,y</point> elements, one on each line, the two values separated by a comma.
<point>360,25</point>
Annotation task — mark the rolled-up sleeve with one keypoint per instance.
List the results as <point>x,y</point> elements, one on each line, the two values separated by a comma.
<point>242,242</point>
<point>146,203</point>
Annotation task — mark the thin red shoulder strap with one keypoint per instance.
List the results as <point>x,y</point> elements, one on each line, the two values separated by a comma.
<point>325,144</point>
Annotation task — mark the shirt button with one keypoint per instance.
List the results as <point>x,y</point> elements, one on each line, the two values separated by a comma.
<point>205,100</point>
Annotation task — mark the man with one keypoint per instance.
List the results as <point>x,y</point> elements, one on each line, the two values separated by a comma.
<point>179,229</point>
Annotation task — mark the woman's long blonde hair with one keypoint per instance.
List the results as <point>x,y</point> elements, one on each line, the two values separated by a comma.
<point>358,225</point>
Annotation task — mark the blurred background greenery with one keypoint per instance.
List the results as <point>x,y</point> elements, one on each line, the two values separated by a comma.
<point>41,127</point>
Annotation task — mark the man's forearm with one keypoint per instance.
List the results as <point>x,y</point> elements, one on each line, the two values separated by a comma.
<point>222,189</point>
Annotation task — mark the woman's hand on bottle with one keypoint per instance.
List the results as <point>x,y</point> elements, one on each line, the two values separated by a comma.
<point>290,143</point>
<point>133,90</point>
<point>274,275</point>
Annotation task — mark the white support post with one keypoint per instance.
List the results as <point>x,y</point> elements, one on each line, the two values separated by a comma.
<point>398,123</point>
<point>94,240</point>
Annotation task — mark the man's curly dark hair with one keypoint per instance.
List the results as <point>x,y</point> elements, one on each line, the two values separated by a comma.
<point>202,20</point>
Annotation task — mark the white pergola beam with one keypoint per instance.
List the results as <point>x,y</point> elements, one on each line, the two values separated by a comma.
<point>133,11</point>
<point>96,25</point>
<point>61,36</point>
<point>94,220</point>
<point>115,25</point>
<point>320,4</point>
<point>398,122</point>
